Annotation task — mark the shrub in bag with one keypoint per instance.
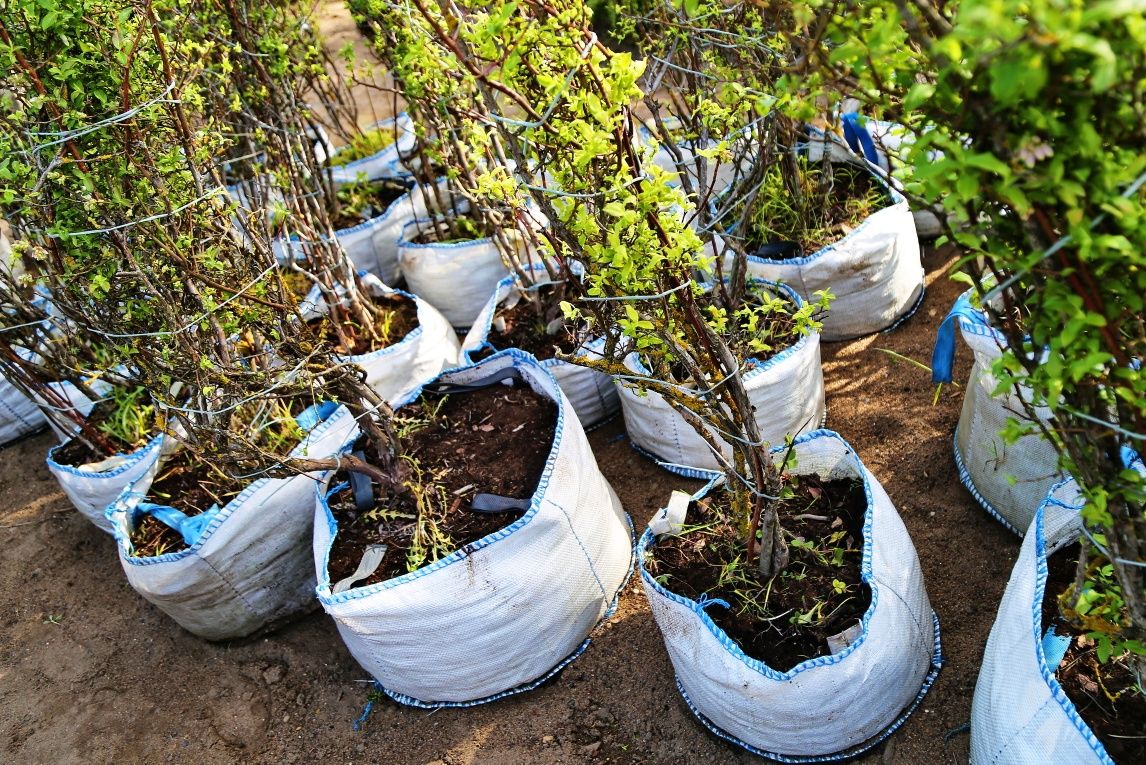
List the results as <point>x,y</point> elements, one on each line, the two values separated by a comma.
<point>95,486</point>
<point>384,164</point>
<point>248,565</point>
<point>1008,480</point>
<point>1020,714</point>
<point>592,394</point>
<point>457,278</point>
<point>787,392</point>
<point>504,613</point>
<point>829,707</point>
<point>875,272</point>
<point>395,371</point>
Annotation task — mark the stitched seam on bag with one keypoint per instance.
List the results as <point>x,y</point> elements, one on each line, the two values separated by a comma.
<point>584,550</point>
<point>234,589</point>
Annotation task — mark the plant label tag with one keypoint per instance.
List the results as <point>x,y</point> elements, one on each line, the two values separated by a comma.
<point>837,643</point>
<point>671,519</point>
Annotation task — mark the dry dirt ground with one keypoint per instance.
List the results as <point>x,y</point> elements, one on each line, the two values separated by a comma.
<point>91,673</point>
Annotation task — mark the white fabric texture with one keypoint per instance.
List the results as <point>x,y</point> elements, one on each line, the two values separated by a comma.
<point>457,278</point>
<point>19,414</point>
<point>251,568</point>
<point>397,370</point>
<point>503,611</point>
<point>92,491</point>
<point>1010,480</point>
<point>875,272</point>
<point>373,245</point>
<point>1020,714</point>
<point>787,392</point>
<point>831,703</point>
<point>592,394</point>
<point>386,163</point>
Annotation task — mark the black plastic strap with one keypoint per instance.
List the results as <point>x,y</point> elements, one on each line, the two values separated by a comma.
<point>782,250</point>
<point>495,503</point>
<point>362,487</point>
<point>501,375</point>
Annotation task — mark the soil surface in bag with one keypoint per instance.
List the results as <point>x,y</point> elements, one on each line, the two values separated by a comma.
<point>494,440</point>
<point>76,453</point>
<point>855,194</point>
<point>460,227</point>
<point>525,329</point>
<point>363,201</point>
<point>397,317</point>
<point>787,620</point>
<point>189,486</point>
<point>1105,695</point>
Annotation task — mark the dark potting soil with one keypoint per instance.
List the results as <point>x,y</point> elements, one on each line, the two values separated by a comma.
<point>75,452</point>
<point>525,329</point>
<point>360,202</point>
<point>855,195</point>
<point>190,487</point>
<point>494,440</point>
<point>1121,724</point>
<point>399,317</point>
<point>461,228</point>
<point>819,594</point>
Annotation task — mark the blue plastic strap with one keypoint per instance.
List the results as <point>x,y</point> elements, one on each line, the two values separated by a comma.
<point>704,602</point>
<point>191,527</point>
<point>857,137</point>
<point>310,417</point>
<point>943,356</point>
<point>1054,648</point>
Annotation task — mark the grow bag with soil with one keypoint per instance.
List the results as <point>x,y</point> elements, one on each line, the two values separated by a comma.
<point>875,272</point>
<point>19,415</point>
<point>833,706</point>
<point>1008,480</point>
<point>787,392</point>
<point>397,370</point>
<point>93,486</point>
<point>458,277</point>
<point>372,245</point>
<point>1020,714</point>
<point>503,613</point>
<point>592,394</point>
<point>384,164</point>
<point>249,567</point>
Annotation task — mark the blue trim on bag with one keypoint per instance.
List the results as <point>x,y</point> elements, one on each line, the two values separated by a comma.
<point>896,199</point>
<point>411,336</point>
<point>134,458</point>
<point>123,541</point>
<point>323,585</point>
<point>1056,691</point>
<point>534,507</point>
<point>391,164</point>
<point>847,754</point>
<point>865,576</point>
<point>967,481</point>
<point>404,242</point>
<point>858,138</point>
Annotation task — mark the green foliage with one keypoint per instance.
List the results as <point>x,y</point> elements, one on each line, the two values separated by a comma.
<point>364,145</point>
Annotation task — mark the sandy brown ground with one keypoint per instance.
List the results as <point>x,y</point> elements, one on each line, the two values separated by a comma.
<point>91,673</point>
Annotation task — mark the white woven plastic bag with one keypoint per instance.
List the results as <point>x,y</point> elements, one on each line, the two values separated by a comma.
<point>1008,480</point>
<point>397,370</point>
<point>787,392</point>
<point>93,487</point>
<point>250,567</point>
<point>875,272</point>
<point>591,393</point>
<point>457,278</point>
<point>506,612</point>
<point>19,415</point>
<point>1020,714</point>
<point>386,163</point>
<point>829,707</point>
